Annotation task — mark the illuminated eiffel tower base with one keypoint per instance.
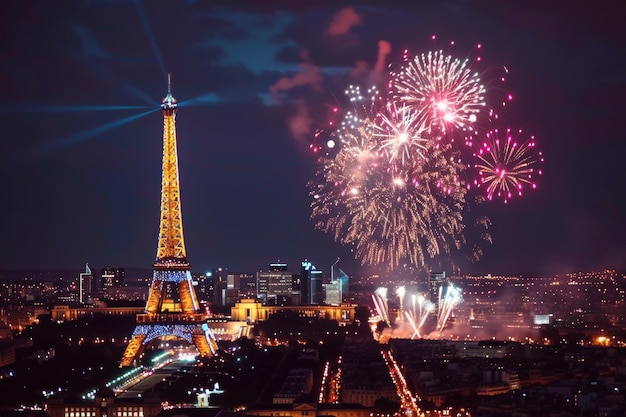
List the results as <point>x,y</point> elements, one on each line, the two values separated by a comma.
<point>172,310</point>
<point>168,318</point>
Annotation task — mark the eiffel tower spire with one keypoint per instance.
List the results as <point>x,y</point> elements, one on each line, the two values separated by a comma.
<point>171,244</point>
<point>172,309</point>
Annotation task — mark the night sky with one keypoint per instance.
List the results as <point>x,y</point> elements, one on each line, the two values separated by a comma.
<point>82,83</point>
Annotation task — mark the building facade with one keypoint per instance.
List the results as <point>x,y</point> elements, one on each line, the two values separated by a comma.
<point>275,286</point>
<point>251,311</point>
<point>104,405</point>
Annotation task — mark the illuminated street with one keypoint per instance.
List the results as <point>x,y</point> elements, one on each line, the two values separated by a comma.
<point>331,383</point>
<point>409,405</point>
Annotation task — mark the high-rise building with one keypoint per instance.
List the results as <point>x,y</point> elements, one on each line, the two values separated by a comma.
<point>312,292</point>
<point>247,286</point>
<point>220,284</point>
<point>337,288</point>
<point>296,289</point>
<point>435,282</point>
<point>344,279</point>
<point>276,285</point>
<point>305,291</point>
<point>85,281</point>
<point>317,291</point>
<point>238,286</point>
<point>332,293</point>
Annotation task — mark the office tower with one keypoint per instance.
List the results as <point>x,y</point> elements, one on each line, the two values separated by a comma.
<point>344,279</point>
<point>317,291</point>
<point>305,284</point>
<point>296,289</point>
<point>276,285</point>
<point>435,281</point>
<point>247,286</point>
<point>238,286</point>
<point>312,292</point>
<point>332,293</point>
<point>220,284</point>
<point>85,280</point>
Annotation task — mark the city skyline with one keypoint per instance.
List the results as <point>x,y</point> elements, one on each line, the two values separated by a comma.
<point>254,82</point>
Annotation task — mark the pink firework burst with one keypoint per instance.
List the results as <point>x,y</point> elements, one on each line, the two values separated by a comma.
<point>507,165</point>
<point>443,90</point>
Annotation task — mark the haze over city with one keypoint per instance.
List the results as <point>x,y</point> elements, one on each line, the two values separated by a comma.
<point>255,80</point>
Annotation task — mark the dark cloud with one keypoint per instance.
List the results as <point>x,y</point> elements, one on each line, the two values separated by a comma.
<point>289,54</point>
<point>219,28</point>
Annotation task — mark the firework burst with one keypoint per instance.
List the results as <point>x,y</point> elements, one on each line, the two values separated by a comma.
<point>388,215</point>
<point>449,297</point>
<point>400,135</point>
<point>507,164</point>
<point>442,90</point>
<point>394,184</point>
<point>417,316</point>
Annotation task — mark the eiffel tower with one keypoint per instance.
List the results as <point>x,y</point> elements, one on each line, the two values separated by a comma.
<point>172,310</point>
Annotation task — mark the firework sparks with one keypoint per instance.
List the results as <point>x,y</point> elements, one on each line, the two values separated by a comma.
<point>419,313</point>
<point>449,297</point>
<point>388,218</point>
<point>389,212</point>
<point>392,181</point>
<point>380,304</point>
<point>442,90</point>
<point>400,135</point>
<point>506,165</point>
<point>401,292</point>
<point>411,319</point>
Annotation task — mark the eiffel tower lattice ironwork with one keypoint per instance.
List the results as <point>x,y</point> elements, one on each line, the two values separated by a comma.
<point>172,310</point>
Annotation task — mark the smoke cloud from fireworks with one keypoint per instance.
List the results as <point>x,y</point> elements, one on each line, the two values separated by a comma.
<point>343,21</point>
